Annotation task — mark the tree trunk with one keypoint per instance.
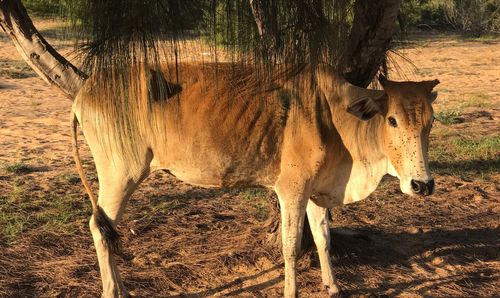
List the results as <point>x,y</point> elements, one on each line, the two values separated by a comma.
<point>36,51</point>
<point>370,39</point>
<point>264,12</point>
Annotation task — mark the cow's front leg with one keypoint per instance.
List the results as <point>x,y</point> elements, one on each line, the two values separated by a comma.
<point>117,182</point>
<point>318,221</point>
<point>293,202</point>
<point>113,196</point>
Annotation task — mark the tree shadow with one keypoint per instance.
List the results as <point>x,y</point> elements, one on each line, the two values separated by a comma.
<point>478,278</point>
<point>237,282</point>
<point>190,194</point>
<point>383,251</point>
<point>474,243</point>
<point>486,166</point>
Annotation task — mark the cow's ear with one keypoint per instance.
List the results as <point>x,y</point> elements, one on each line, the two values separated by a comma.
<point>159,88</point>
<point>433,96</point>
<point>429,85</point>
<point>365,107</point>
<point>433,83</point>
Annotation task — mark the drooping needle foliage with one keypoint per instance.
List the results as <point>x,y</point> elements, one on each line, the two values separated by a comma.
<point>264,32</point>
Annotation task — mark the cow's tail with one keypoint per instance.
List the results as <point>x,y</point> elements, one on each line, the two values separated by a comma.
<point>108,232</point>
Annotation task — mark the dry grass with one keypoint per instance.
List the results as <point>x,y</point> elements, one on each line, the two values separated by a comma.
<point>191,242</point>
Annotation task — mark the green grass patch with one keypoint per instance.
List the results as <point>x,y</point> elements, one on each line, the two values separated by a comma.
<point>257,200</point>
<point>454,115</point>
<point>22,208</point>
<point>12,225</point>
<point>467,157</point>
<point>465,148</point>
<point>15,69</point>
<point>253,193</point>
<point>165,207</point>
<point>448,117</point>
<point>18,168</point>
<point>475,101</point>
<point>69,178</point>
<point>43,7</point>
<point>158,207</point>
<point>477,149</point>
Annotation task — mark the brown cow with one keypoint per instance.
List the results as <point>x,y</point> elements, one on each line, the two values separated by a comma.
<point>313,138</point>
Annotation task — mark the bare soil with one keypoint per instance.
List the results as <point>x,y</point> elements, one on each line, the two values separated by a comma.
<point>183,241</point>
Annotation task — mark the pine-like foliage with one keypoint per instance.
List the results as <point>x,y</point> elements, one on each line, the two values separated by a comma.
<point>265,32</point>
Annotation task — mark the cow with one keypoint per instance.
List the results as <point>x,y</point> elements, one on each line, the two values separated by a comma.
<point>312,137</point>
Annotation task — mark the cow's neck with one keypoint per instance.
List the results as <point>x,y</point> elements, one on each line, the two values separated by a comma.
<point>362,138</point>
<point>363,141</point>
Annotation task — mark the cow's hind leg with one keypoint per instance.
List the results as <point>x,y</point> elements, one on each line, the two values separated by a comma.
<point>318,221</point>
<point>116,184</point>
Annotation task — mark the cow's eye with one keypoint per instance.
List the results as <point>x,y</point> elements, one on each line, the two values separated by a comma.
<point>393,122</point>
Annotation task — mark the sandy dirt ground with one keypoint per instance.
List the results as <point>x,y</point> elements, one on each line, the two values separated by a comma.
<point>183,241</point>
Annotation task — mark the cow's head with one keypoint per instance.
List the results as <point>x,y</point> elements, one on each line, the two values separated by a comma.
<point>408,115</point>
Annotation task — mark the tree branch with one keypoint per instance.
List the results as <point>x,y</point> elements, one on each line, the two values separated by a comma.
<point>36,51</point>
<point>265,15</point>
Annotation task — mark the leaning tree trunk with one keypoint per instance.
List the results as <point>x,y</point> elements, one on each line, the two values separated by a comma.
<point>36,51</point>
<point>370,39</point>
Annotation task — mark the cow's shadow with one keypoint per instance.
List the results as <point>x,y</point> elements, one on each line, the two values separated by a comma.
<point>372,248</point>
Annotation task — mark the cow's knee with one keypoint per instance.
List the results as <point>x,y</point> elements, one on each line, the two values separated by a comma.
<point>94,229</point>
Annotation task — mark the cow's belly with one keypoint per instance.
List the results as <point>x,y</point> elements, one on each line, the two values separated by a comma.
<point>340,196</point>
<point>197,177</point>
<point>215,170</point>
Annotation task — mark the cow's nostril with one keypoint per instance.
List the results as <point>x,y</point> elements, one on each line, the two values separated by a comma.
<point>416,186</point>
<point>422,188</point>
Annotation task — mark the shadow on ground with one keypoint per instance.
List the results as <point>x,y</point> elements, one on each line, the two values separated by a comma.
<point>433,253</point>
<point>471,167</point>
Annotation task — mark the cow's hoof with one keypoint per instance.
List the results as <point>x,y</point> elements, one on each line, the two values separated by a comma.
<point>338,294</point>
<point>122,294</point>
<point>341,294</point>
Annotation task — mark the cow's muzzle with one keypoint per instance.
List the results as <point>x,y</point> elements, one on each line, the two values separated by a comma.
<point>423,188</point>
